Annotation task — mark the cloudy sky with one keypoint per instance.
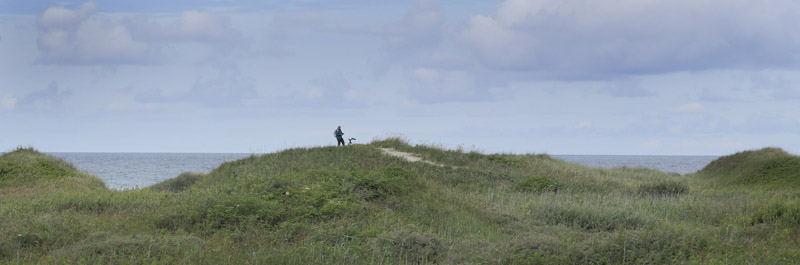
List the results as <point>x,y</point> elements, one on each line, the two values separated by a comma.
<point>674,77</point>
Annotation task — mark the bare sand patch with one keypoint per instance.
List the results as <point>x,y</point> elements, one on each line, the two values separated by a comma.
<point>407,156</point>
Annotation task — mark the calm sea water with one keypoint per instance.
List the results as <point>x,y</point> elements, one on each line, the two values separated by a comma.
<point>132,170</point>
<point>677,164</point>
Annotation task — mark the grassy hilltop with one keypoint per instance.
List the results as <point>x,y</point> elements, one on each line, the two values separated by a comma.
<point>357,205</point>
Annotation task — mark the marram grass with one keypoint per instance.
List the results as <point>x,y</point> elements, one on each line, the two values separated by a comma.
<point>355,205</point>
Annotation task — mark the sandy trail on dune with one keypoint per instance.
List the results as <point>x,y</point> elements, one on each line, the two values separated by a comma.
<point>407,156</point>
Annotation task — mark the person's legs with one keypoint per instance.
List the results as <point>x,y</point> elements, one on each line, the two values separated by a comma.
<point>339,141</point>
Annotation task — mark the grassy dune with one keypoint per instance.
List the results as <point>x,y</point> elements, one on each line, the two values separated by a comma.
<point>356,205</point>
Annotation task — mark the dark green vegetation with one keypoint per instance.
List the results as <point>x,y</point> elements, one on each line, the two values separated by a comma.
<point>356,205</point>
<point>771,167</point>
<point>25,171</point>
<point>180,183</point>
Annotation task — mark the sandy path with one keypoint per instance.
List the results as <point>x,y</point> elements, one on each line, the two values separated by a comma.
<point>407,156</point>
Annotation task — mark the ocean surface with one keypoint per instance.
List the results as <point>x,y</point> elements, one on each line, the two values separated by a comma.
<point>676,164</point>
<point>138,170</point>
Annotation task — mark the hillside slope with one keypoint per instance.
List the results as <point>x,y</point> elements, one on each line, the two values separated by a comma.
<point>25,169</point>
<point>769,166</point>
<point>358,205</point>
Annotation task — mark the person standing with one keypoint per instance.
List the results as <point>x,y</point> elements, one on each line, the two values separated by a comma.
<point>339,136</point>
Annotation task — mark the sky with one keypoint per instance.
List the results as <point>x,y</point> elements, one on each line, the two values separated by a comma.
<point>614,77</point>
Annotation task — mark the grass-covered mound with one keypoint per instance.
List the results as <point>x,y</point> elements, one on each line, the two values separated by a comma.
<point>357,205</point>
<point>177,184</point>
<point>769,166</point>
<point>25,170</point>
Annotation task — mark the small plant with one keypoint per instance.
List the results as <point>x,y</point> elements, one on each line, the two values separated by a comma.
<point>180,183</point>
<point>593,219</point>
<point>103,247</point>
<point>502,159</point>
<point>392,181</point>
<point>539,183</point>
<point>665,188</point>
<point>396,142</point>
<point>778,211</point>
<point>414,246</point>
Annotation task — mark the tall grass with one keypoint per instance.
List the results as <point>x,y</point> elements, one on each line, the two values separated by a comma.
<point>355,205</point>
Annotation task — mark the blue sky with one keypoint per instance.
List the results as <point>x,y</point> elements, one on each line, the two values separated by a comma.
<point>662,77</point>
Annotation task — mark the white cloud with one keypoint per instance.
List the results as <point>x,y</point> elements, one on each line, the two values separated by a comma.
<point>576,39</point>
<point>432,85</point>
<point>8,102</point>
<point>74,36</point>
<point>689,107</point>
<point>223,91</point>
<point>425,75</point>
<point>59,17</point>
<point>331,90</point>
<point>496,43</point>
<point>80,37</point>
<point>652,144</point>
<point>99,40</point>
<point>628,87</point>
<point>436,71</point>
<point>314,93</point>
<point>191,26</point>
<point>48,99</point>
<point>420,29</point>
<point>583,125</point>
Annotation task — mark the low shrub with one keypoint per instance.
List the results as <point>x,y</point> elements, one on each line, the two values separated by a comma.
<point>535,249</point>
<point>662,246</point>
<point>539,183</point>
<point>769,166</point>
<point>237,210</point>
<point>103,247</point>
<point>41,233</point>
<point>664,188</point>
<point>396,142</point>
<point>180,183</point>
<point>414,247</point>
<point>780,211</point>
<point>592,219</point>
<point>504,159</point>
<point>26,165</point>
<point>392,181</point>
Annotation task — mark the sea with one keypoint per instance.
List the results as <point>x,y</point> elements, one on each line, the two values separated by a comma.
<point>138,170</point>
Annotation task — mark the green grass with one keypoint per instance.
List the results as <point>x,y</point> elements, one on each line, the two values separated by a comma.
<point>25,172</point>
<point>355,205</point>
<point>177,184</point>
<point>771,167</point>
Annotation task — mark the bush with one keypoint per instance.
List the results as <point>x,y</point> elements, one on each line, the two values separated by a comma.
<point>506,160</point>
<point>779,211</point>
<point>393,181</point>
<point>768,166</point>
<point>593,219</point>
<point>414,246</point>
<point>41,233</point>
<point>237,210</point>
<point>665,188</point>
<point>538,184</point>
<point>103,247</point>
<point>180,183</point>
<point>538,249</point>
<point>395,142</point>
<point>662,246</point>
